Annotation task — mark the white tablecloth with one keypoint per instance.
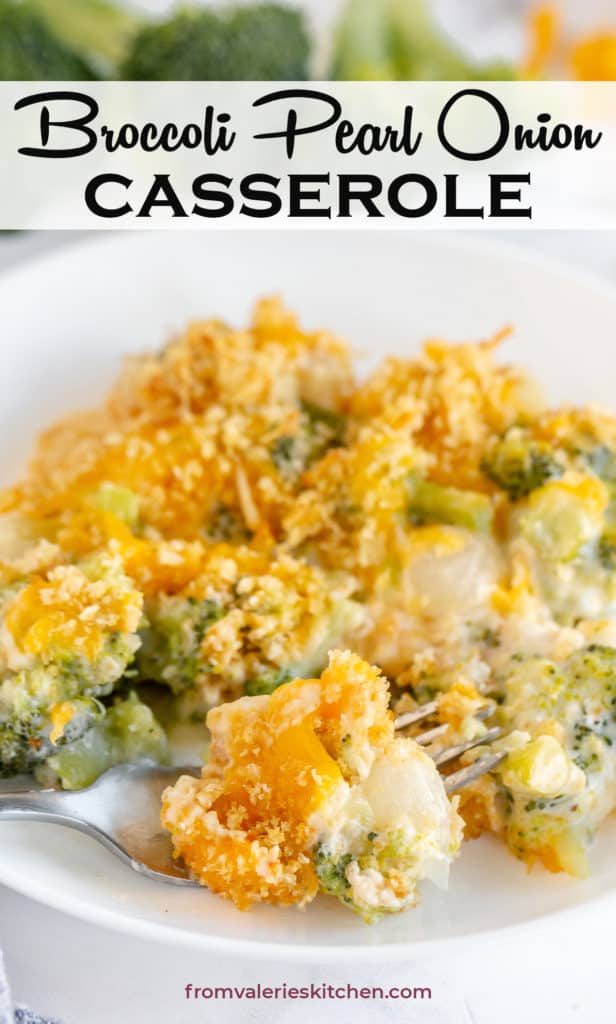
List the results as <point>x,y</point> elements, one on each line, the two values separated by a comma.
<point>562,970</point>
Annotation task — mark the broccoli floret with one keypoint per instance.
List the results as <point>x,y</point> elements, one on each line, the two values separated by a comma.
<point>287,455</point>
<point>125,733</point>
<point>556,783</point>
<point>276,624</point>
<point>606,551</point>
<point>16,756</point>
<point>433,503</point>
<point>334,421</point>
<point>519,466</point>
<point>331,872</point>
<point>23,743</point>
<point>261,42</point>
<point>31,700</point>
<point>319,430</point>
<point>21,740</point>
<point>602,461</point>
<point>59,662</point>
<point>75,740</point>
<point>398,40</point>
<point>171,642</point>
<point>93,739</point>
<point>388,857</point>
<point>225,524</point>
<point>31,50</point>
<point>267,682</point>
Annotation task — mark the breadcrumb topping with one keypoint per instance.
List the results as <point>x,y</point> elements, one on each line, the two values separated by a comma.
<point>280,778</point>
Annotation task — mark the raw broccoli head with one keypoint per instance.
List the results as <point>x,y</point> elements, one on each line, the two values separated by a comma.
<point>30,50</point>
<point>520,466</point>
<point>261,42</point>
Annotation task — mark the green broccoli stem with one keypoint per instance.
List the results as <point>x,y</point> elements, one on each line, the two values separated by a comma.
<point>100,29</point>
<point>399,40</point>
<point>433,503</point>
<point>420,50</point>
<point>362,44</point>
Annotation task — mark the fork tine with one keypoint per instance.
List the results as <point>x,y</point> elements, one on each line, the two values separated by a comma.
<point>410,717</point>
<point>423,738</point>
<point>485,711</point>
<point>450,753</point>
<point>426,710</point>
<point>464,777</point>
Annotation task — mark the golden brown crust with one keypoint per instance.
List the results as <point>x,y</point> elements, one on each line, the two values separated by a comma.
<point>244,828</point>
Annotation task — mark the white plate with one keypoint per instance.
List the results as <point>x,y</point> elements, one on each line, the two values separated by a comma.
<point>68,317</point>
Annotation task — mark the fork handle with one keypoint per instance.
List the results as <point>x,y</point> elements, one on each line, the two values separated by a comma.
<point>60,807</point>
<point>39,805</point>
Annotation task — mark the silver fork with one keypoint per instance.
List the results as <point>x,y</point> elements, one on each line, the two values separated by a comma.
<point>464,776</point>
<point>121,810</point>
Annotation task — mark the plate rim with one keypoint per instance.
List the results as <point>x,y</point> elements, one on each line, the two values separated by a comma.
<point>256,950</point>
<point>464,239</point>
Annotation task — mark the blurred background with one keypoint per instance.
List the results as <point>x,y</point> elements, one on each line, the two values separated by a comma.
<point>337,39</point>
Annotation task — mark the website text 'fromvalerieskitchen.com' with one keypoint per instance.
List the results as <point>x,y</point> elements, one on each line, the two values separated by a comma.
<point>319,991</point>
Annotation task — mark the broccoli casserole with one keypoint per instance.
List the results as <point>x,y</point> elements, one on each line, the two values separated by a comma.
<point>245,531</point>
<point>308,789</point>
